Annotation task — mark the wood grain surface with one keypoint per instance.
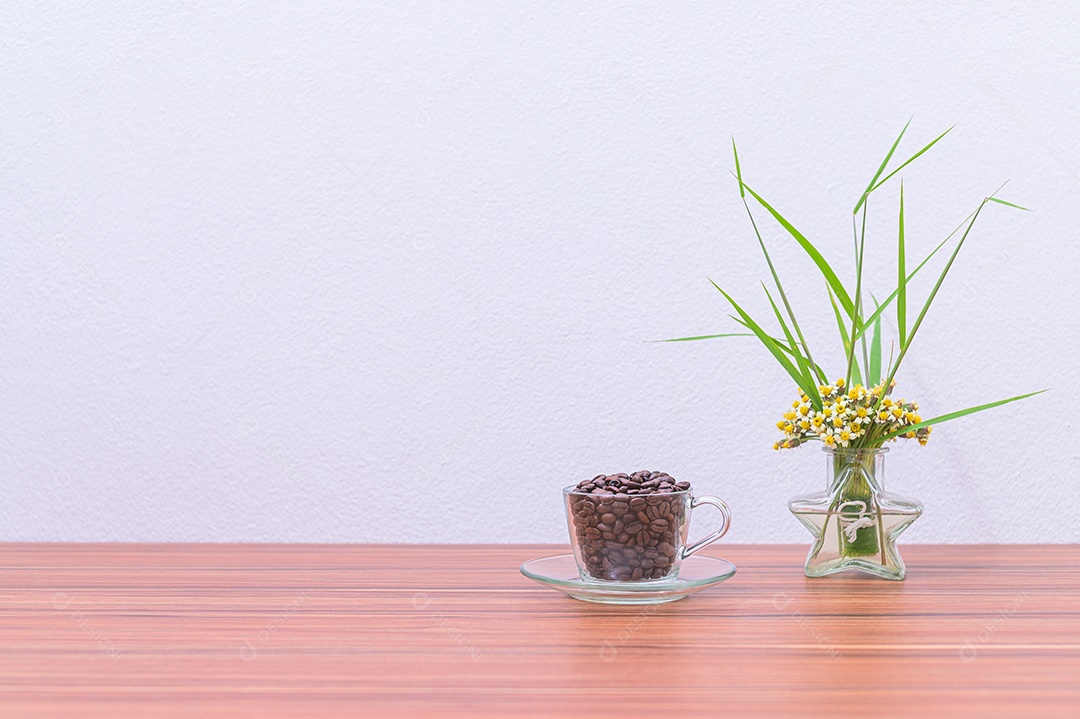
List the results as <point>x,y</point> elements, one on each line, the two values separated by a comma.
<point>187,631</point>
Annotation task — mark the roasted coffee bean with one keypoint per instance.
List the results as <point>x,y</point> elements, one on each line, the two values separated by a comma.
<point>658,525</point>
<point>608,518</point>
<point>637,503</point>
<point>635,527</point>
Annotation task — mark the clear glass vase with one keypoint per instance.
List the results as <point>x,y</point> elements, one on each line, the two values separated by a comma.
<point>855,522</point>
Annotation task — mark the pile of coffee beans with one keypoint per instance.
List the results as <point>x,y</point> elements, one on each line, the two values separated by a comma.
<point>628,527</point>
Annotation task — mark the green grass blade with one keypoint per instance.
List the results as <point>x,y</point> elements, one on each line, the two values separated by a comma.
<point>826,270</point>
<point>868,323</point>
<point>859,252</point>
<point>856,374</point>
<point>839,320</point>
<point>929,300</point>
<point>1009,204</point>
<point>738,170</point>
<point>705,337</point>
<point>780,289</point>
<point>779,343</point>
<point>880,169</point>
<point>910,160</point>
<point>802,362</point>
<point>874,371</point>
<point>957,415</point>
<point>770,345</point>
<point>901,282</point>
<point>782,344</point>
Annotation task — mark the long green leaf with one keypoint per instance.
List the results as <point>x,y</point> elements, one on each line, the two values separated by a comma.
<point>704,337</point>
<point>901,282</point>
<point>929,300</point>
<point>826,270</point>
<point>874,371</point>
<point>957,415</point>
<point>802,362</point>
<point>843,333</point>
<point>780,287</point>
<point>910,160</point>
<point>881,168</point>
<point>1003,202</point>
<point>770,345</point>
<point>868,323</point>
<point>738,170</point>
<point>839,320</point>
<point>779,342</point>
<point>782,344</point>
<point>859,252</point>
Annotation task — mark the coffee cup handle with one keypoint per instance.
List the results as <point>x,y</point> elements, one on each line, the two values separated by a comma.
<point>724,511</point>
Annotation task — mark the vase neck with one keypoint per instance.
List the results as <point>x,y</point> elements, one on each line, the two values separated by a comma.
<point>845,466</point>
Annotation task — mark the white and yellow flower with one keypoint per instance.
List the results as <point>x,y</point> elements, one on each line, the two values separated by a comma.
<point>849,417</point>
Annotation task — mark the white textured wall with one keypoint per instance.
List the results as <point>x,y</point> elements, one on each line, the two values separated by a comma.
<point>384,271</point>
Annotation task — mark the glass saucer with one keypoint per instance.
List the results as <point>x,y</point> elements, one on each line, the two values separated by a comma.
<point>561,573</point>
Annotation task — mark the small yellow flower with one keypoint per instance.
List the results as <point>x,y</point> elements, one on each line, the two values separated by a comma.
<point>818,421</point>
<point>829,440</point>
<point>837,422</point>
<point>840,382</point>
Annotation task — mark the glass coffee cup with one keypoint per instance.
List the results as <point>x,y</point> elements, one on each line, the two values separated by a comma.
<point>635,538</point>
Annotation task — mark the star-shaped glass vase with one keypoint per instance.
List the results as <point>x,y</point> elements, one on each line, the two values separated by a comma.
<point>855,522</point>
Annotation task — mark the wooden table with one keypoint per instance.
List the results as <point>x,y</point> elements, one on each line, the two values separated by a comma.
<point>187,631</point>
